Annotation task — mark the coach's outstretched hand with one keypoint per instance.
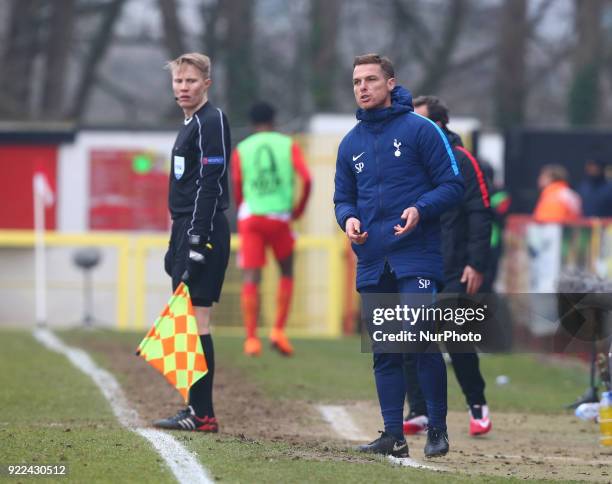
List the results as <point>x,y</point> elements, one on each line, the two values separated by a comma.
<point>353,231</point>
<point>411,216</point>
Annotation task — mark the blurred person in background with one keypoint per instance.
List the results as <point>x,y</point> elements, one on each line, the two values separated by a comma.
<point>595,190</point>
<point>557,203</point>
<point>199,247</point>
<point>395,176</point>
<point>466,243</point>
<point>500,206</point>
<point>264,168</point>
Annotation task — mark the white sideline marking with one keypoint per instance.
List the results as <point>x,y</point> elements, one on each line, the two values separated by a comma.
<point>183,463</point>
<point>410,462</point>
<point>344,425</point>
<point>341,422</point>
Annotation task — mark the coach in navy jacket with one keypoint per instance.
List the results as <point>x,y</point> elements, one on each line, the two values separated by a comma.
<point>391,160</point>
<point>395,175</point>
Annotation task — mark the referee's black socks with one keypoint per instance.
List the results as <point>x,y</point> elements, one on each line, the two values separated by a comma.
<point>201,393</point>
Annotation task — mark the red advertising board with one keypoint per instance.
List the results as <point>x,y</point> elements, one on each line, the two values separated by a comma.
<point>17,166</point>
<point>128,190</point>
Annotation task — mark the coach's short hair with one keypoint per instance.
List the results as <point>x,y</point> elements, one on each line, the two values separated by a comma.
<point>195,59</point>
<point>436,108</point>
<point>384,62</point>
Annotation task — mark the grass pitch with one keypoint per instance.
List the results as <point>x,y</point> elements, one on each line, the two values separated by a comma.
<point>331,371</point>
<point>53,414</point>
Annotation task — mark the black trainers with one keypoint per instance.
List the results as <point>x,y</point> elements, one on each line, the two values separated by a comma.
<point>437,443</point>
<point>387,445</point>
<point>186,419</point>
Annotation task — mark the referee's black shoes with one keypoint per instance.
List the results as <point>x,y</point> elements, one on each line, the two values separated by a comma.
<point>386,444</point>
<point>437,443</point>
<point>186,419</point>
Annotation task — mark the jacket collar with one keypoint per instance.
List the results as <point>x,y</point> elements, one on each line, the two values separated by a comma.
<point>401,103</point>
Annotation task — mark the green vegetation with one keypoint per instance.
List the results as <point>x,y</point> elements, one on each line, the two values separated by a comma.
<point>336,370</point>
<point>53,414</point>
<point>280,462</point>
<point>67,421</point>
<point>320,370</point>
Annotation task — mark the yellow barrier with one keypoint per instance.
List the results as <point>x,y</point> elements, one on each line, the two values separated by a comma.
<point>25,238</point>
<point>335,270</point>
<point>132,249</point>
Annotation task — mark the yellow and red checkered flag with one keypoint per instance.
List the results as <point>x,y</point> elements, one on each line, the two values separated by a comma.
<point>172,346</point>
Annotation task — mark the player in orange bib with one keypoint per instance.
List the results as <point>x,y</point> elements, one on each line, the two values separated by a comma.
<point>264,166</point>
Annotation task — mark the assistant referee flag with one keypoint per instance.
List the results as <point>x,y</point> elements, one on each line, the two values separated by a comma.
<point>172,346</point>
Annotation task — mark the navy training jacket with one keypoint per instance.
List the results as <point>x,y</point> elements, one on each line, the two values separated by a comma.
<point>391,160</point>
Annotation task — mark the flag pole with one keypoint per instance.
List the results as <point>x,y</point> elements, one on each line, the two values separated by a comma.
<point>39,189</point>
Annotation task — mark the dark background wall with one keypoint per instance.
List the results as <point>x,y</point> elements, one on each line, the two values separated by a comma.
<point>527,150</point>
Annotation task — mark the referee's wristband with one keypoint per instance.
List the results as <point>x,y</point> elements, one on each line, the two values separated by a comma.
<point>195,241</point>
<point>197,249</point>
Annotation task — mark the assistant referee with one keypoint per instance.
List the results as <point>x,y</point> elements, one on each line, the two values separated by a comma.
<point>200,240</point>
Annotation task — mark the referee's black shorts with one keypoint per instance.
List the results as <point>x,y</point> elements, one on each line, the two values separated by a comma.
<point>205,286</point>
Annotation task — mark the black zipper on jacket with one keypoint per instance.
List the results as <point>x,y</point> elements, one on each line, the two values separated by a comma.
<point>380,205</point>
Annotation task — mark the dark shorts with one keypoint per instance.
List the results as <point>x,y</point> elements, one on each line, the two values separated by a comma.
<point>205,286</point>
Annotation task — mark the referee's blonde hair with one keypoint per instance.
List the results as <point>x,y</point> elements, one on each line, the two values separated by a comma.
<point>199,61</point>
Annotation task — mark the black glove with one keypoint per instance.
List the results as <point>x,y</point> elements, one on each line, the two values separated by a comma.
<point>197,257</point>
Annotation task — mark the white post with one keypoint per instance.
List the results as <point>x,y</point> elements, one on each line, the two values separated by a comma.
<point>42,197</point>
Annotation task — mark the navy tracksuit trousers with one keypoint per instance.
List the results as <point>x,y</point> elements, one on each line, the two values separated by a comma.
<point>389,367</point>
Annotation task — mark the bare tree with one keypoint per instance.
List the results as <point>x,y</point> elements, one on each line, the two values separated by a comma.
<point>298,98</point>
<point>430,46</point>
<point>20,50</point>
<point>408,29</point>
<point>57,51</point>
<point>241,75</point>
<point>95,55</point>
<point>211,16</point>
<point>324,16</point>
<point>437,63</point>
<point>173,32</point>
<point>510,85</point>
<point>585,90</point>
<point>431,43</point>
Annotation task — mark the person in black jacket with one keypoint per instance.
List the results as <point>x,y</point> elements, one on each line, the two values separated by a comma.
<point>595,190</point>
<point>199,247</point>
<point>466,237</point>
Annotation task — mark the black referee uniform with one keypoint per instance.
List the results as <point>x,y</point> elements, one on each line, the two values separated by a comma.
<point>197,200</point>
